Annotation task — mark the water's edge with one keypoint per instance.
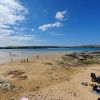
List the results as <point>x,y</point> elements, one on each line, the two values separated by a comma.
<point>6,55</point>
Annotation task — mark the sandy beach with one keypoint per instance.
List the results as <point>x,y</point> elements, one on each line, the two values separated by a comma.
<point>43,78</point>
<point>49,49</point>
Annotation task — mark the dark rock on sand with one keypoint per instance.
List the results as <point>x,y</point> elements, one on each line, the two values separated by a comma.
<point>6,86</point>
<point>80,58</point>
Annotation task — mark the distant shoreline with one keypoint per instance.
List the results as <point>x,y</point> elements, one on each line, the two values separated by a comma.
<point>43,47</point>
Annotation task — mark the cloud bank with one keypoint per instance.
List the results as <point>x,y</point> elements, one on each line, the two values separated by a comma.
<point>12,12</point>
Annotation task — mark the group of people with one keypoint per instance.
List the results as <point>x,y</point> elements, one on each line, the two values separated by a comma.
<point>96,87</point>
<point>22,60</point>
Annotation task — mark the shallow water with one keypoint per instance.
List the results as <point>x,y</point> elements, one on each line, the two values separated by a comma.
<point>16,54</point>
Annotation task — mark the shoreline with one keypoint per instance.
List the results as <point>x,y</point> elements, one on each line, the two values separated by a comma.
<point>7,54</point>
<point>31,57</point>
<point>44,79</point>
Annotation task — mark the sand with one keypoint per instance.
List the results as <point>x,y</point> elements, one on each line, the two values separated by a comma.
<point>44,79</point>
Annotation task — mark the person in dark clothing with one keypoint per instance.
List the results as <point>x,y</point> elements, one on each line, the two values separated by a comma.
<point>95,78</point>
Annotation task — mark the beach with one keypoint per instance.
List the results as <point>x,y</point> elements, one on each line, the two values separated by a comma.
<point>43,78</point>
<point>49,50</point>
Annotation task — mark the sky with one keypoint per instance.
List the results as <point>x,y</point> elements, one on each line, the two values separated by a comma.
<point>46,22</point>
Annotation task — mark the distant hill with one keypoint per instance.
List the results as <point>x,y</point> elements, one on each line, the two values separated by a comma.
<point>36,47</point>
<point>29,47</point>
<point>89,46</point>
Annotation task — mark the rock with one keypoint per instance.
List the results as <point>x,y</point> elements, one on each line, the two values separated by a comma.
<point>84,83</point>
<point>15,72</point>
<point>6,86</point>
<point>79,58</point>
<point>22,77</point>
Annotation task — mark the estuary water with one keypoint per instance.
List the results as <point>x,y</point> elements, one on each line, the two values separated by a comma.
<point>16,54</point>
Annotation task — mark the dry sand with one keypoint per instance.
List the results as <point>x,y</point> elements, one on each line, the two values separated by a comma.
<point>44,79</point>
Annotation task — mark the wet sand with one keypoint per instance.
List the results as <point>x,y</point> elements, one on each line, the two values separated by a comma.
<point>43,79</point>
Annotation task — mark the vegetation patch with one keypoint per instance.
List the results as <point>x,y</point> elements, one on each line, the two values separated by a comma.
<point>17,74</point>
<point>79,58</point>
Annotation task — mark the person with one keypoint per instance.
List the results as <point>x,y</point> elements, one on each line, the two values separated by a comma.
<point>37,56</point>
<point>96,88</point>
<point>27,60</point>
<point>94,78</point>
<point>24,60</point>
<point>11,59</point>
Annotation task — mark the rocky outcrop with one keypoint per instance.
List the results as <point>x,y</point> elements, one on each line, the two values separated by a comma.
<point>79,58</point>
<point>6,86</point>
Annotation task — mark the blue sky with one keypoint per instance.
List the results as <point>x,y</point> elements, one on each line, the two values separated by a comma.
<point>46,22</point>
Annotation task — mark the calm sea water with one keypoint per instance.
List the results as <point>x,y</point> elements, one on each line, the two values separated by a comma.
<point>7,54</point>
<point>52,49</point>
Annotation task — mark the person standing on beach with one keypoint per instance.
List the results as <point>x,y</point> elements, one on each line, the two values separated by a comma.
<point>37,56</point>
<point>27,60</point>
<point>11,60</point>
<point>24,60</point>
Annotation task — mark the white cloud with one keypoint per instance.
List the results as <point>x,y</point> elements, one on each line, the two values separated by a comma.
<point>19,29</point>
<point>23,37</point>
<point>16,37</point>
<point>5,31</point>
<point>4,26</point>
<point>47,26</point>
<point>60,15</point>
<point>6,40</point>
<point>33,29</point>
<point>11,12</point>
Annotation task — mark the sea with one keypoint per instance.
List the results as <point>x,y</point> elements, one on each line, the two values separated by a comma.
<point>6,55</point>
